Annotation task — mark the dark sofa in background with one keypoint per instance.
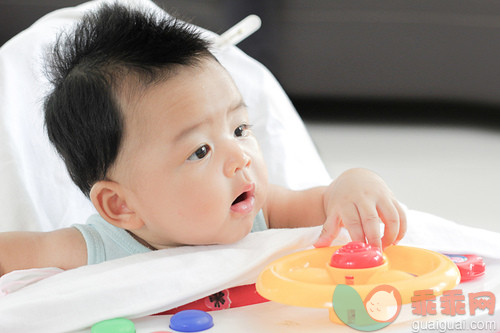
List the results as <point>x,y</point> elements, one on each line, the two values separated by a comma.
<point>391,50</point>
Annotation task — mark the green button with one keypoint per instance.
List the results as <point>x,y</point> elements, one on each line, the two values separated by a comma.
<point>117,325</point>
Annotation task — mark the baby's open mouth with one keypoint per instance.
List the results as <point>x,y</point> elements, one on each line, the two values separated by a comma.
<point>244,202</point>
<point>242,197</point>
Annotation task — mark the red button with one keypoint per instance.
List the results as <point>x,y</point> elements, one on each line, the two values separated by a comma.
<point>357,255</point>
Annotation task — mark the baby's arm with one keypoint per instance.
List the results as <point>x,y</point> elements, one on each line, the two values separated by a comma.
<point>291,209</point>
<point>358,199</point>
<point>64,248</point>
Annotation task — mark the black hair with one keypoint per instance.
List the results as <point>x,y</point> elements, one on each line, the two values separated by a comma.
<point>87,67</point>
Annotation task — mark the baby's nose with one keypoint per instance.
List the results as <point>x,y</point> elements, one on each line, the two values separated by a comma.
<point>236,161</point>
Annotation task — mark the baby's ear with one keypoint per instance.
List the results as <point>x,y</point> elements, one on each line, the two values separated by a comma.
<point>110,200</point>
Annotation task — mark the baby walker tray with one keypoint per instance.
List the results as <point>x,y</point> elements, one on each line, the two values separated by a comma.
<point>340,278</point>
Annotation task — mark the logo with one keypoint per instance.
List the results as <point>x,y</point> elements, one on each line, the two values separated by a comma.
<point>379,308</point>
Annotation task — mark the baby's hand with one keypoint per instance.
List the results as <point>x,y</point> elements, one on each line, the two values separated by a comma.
<point>359,199</point>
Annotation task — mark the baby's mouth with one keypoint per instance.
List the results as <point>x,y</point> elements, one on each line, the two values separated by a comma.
<point>245,201</point>
<point>242,197</point>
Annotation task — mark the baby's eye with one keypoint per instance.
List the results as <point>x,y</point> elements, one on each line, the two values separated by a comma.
<point>200,153</point>
<point>242,130</point>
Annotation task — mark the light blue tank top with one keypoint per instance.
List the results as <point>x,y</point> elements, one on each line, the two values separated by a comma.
<point>107,242</point>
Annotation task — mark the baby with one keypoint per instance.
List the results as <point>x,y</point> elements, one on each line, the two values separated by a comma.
<point>154,131</point>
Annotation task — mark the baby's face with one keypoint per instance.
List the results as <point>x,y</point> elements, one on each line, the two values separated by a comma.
<point>190,167</point>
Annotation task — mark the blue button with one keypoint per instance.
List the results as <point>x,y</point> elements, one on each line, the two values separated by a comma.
<point>191,321</point>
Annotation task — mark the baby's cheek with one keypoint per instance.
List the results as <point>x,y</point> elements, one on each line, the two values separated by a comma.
<point>261,167</point>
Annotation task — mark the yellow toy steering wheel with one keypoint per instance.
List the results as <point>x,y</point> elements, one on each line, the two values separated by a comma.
<point>309,278</point>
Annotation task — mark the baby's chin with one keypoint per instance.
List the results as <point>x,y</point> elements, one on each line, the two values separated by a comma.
<point>235,237</point>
